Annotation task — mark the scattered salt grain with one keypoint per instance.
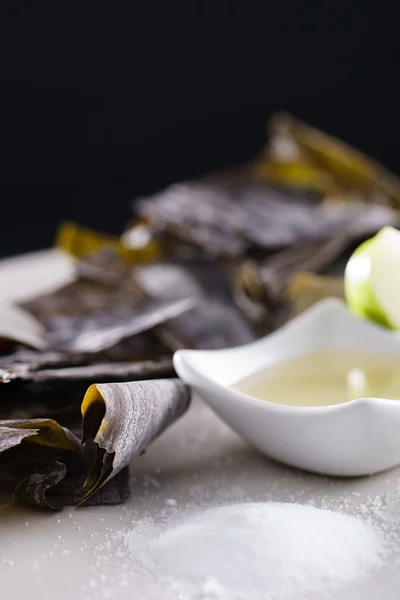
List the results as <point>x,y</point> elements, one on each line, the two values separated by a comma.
<point>171,502</point>
<point>150,481</point>
<point>8,562</point>
<point>268,550</point>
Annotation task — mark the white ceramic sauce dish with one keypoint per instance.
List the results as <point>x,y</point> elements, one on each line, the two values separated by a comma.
<point>355,438</point>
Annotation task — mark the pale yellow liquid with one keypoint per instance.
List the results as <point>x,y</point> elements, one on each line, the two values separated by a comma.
<point>326,377</point>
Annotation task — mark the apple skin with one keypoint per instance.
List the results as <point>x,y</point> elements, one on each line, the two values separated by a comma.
<point>360,296</point>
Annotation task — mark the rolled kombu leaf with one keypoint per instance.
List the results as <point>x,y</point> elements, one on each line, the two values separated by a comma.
<point>123,419</point>
<point>43,463</point>
<point>115,491</point>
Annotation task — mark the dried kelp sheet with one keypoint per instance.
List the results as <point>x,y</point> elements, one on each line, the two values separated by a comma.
<point>57,392</point>
<point>277,221</point>
<point>261,236</point>
<point>199,214</point>
<point>231,222</point>
<point>299,155</point>
<point>214,322</point>
<point>81,242</point>
<point>44,464</point>
<point>263,281</point>
<point>88,316</point>
<point>226,222</point>
<point>127,371</point>
<point>29,450</point>
<point>21,361</point>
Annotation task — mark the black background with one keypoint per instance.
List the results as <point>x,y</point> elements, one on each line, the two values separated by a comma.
<point>105,100</point>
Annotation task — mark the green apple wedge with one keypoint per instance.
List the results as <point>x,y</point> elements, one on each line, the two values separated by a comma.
<point>372,279</point>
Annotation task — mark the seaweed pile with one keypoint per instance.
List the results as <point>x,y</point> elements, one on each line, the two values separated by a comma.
<point>207,264</point>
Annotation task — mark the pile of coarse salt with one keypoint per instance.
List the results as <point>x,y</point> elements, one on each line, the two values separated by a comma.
<point>268,551</point>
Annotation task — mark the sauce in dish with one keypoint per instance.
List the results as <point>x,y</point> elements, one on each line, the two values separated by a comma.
<point>325,377</point>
